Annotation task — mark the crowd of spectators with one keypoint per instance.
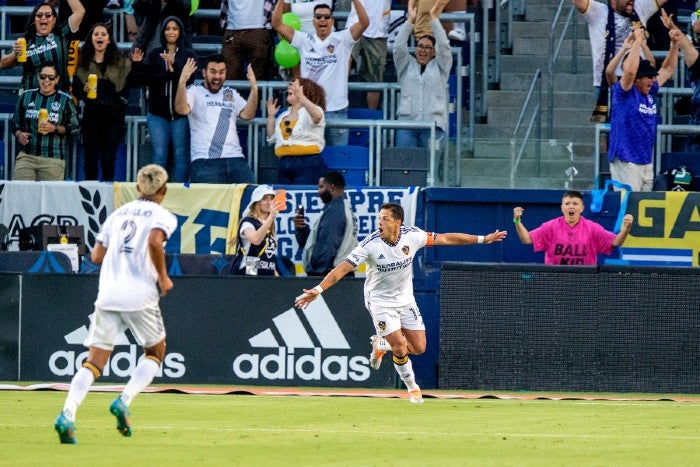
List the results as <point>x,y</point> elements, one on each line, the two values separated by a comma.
<point>101,78</point>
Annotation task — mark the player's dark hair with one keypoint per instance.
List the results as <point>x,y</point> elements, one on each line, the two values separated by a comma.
<point>395,208</point>
<point>334,177</point>
<point>573,194</point>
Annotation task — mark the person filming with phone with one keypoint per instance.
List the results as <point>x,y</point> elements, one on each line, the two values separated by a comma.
<point>334,234</point>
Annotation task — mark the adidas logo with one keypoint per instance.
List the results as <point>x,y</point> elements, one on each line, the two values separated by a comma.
<point>307,332</point>
<point>122,364</point>
<point>293,335</point>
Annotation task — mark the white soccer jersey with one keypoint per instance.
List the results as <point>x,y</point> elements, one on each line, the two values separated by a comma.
<point>213,133</point>
<point>597,18</point>
<point>327,62</point>
<point>128,278</point>
<point>378,12</point>
<point>389,280</point>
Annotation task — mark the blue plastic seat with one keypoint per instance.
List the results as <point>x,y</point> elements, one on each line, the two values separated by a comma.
<point>351,161</point>
<point>360,136</point>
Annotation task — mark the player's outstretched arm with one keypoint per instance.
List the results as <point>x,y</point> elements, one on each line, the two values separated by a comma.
<point>331,278</point>
<point>468,239</point>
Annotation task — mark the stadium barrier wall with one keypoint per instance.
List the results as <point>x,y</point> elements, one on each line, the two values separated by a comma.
<point>220,330</point>
<point>534,327</point>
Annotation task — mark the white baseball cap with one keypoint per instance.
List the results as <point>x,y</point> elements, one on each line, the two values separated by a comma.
<point>258,194</point>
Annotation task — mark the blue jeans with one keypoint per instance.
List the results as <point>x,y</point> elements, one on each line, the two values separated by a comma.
<point>165,132</point>
<point>336,136</point>
<point>417,138</point>
<point>225,170</point>
<point>300,170</point>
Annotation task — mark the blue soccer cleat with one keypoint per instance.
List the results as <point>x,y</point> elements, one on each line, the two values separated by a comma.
<point>65,429</point>
<point>121,411</point>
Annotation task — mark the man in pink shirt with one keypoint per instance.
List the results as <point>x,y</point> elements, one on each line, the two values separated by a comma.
<point>571,239</point>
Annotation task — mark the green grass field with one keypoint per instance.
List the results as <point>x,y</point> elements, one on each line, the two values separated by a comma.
<point>183,429</point>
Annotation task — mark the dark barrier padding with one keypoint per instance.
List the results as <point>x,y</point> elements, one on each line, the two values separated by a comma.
<point>34,261</point>
<point>9,331</point>
<point>534,327</point>
<point>221,330</point>
<point>649,327</point>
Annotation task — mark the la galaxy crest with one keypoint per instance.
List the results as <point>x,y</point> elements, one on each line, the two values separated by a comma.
<point>405,249</point>
<point>228,95</point>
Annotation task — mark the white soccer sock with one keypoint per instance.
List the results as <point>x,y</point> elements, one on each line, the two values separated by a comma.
<point>79,387</point>
<point>143,375</point>
<point>405,371</point>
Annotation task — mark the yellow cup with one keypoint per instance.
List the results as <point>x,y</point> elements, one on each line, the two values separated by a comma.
<point>42,117</point>
<point>92,86</point>
<point>22,57</point>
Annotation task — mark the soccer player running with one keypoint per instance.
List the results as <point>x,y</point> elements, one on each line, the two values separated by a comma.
<point>130,248</point>
<point>389,253</point>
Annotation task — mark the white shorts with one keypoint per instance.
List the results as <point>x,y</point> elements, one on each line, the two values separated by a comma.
<point>107,328</point>
<point>390,319</point>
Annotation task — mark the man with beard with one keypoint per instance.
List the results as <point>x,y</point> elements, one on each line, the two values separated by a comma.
<point>334,233</point>
<point>571,239</point>
<point>325,59</point>
<point>608,26</point>
<point>634,114</point>
<point>217,156</point>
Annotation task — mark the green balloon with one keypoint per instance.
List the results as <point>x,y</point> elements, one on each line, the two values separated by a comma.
<point>194,6</point>
<point>292,20</point>
<point>286,55</point>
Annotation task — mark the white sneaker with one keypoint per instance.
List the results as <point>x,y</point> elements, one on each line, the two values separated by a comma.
<point>415,396</point>
<point>375,358</point>
<point>457,34</point>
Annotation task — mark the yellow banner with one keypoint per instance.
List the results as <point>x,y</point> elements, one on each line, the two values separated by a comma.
<point>207,215</point>
<point>665,220</point>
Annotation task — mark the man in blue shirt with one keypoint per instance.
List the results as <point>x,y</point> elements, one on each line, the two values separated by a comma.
<point>334,234</point>
<point>634,114</point>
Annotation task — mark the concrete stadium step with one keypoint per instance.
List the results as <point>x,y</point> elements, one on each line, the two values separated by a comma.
<point>563,116</point>
<point>516,81</point>
<point>535,46</point>
<point>585,133</point>
<point>515,99</point>
<point>530,63</point>
<point>554,150</point>
<point>525,30</point>
<point>527,168</point>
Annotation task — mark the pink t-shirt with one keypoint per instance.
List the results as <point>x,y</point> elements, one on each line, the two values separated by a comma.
<point>577,245</point>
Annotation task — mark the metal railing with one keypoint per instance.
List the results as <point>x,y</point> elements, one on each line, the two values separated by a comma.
<point>554,53</point>
<point>378,133</point>
<point>535,121</point>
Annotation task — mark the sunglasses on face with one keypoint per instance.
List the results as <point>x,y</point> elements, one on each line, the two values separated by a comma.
<point>43,76</point>
<point>46,15</point>
<point>424,47</point>
<point>319,16</point>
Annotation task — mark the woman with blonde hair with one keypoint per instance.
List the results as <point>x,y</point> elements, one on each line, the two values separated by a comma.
<point>256,242</point>
<point>297,133</point>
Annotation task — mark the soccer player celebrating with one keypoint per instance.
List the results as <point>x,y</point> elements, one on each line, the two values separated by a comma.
<point>389,253</point>
<point>130,248</point>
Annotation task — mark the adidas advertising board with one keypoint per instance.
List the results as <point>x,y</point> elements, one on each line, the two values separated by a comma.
<point>229,330</point>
